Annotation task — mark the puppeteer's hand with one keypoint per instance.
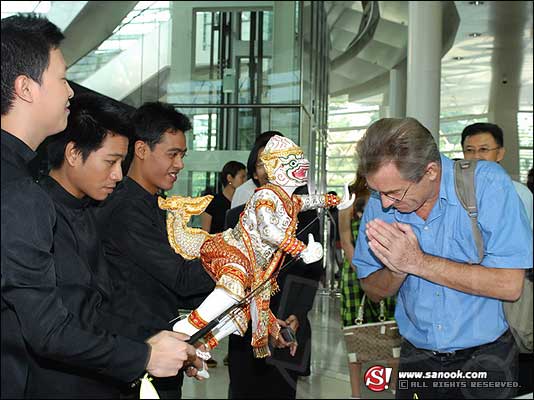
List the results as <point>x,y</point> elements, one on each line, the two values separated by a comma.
<point>169,351</point>
<point>313,252</point>
<point>347,199</point>
<point>291,322</point>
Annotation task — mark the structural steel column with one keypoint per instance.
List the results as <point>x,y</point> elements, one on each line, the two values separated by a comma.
<point>507,62</point>
<point>424,63</point>
<point>397,91</point>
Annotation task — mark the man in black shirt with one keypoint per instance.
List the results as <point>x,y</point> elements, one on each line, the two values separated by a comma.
<point>150,281</point>
<point>35,320</point>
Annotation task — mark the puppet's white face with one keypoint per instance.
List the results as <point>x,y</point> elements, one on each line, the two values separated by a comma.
<point>292,170</point>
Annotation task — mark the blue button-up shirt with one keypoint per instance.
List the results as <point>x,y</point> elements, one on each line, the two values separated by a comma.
<point>436,317</point>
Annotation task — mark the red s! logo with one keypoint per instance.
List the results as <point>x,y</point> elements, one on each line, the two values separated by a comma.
<point>377,378</point>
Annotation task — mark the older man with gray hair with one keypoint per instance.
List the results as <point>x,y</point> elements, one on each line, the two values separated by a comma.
<point>416,240</point>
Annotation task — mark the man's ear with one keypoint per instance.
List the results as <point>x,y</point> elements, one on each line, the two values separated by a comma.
<point>72,154</point>
<point>500,154</point>
<point>23,88</point>
<point>433,170</point>
<point>140,149</point>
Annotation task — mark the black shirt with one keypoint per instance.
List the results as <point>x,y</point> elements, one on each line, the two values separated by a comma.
<point>150,281</point>
<point>15,156</point>
<point>32,305</point>
<point>217,209</point>
<point>84,287</point>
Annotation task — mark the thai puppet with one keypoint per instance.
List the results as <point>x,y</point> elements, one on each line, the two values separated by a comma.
<point>243,258</point>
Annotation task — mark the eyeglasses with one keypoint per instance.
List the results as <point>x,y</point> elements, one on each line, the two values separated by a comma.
<point>482,150</point>
<point>394,199</point>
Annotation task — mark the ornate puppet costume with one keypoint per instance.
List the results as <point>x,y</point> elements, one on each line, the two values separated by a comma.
<point>243,258</point>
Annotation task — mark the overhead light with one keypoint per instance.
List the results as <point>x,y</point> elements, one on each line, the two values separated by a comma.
<point>475,34</point>
<point>458,58</point>
<point>476,3</point>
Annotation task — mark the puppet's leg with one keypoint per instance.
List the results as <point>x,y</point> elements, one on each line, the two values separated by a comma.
<point>229,290</point>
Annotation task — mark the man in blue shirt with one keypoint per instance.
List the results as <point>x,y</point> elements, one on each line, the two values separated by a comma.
<point>416,239</point>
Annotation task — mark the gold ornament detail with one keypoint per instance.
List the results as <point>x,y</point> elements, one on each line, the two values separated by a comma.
<point>185,240</point>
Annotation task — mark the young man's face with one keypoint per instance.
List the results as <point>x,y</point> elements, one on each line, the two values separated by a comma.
<point>52,96</point>
<point>163,163</point>
<point>101,171</point>
<point>482,146</point>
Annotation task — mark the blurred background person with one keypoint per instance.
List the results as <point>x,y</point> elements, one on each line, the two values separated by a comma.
<point>256,173</point>
<point>351,292</point>
<point>233,175</point>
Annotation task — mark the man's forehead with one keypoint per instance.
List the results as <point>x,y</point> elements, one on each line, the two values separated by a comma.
<point>482,137</point>
<point>387,177</point>
<point>174,138</point>
<point>56,56</point>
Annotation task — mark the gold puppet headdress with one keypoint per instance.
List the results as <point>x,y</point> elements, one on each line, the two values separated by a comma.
<point>277,146</point>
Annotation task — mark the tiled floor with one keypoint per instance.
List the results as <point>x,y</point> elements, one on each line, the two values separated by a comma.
<point>329,378</point>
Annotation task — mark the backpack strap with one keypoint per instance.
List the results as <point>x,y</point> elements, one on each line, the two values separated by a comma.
<point>464,184</point>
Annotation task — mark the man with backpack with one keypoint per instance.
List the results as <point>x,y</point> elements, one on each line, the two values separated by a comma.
<point>418,240</point>
<point>485,141</point>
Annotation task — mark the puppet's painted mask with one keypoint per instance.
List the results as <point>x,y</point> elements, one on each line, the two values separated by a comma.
<point>285,163</point>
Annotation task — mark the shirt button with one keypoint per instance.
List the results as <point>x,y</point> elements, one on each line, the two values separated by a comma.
<point>437,294</point>
<point>426,228</point>
<point>439,327</point>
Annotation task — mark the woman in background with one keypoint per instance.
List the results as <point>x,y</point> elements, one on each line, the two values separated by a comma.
<point>233,175</point>
<point>351,292</point>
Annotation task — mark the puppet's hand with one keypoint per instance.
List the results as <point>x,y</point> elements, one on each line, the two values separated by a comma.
<point>347,199</point>
<point>313,252</point>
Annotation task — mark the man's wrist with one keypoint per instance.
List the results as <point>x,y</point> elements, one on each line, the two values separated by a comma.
<point>398,275</point>
<point>419,266</point>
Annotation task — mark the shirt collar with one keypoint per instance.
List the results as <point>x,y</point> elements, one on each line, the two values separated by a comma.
<point>59,194</point>
<point>136,190</point>
<point>17,146</point>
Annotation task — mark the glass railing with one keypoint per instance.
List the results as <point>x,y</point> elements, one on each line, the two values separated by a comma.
<point>145,18</point>
<point>61,13</point>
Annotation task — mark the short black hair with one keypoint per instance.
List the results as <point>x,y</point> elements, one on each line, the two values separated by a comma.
<point>153,119</point>
<point>484,127</point>
<point>92,118</point>
<point>261,141</point>
<point>27,40</point>
<point>232,168</point>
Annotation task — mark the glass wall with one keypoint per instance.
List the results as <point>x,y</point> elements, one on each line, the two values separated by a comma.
<point>450,132</point>
<point>347,122</point>
<point>526,139</point>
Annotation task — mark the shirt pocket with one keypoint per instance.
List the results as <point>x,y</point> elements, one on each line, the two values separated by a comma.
<point>459,243</point>
<point>463,247</point>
